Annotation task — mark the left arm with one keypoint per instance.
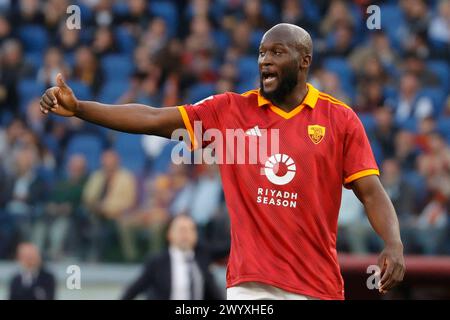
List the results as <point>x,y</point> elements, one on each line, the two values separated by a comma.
<point>382,217</point>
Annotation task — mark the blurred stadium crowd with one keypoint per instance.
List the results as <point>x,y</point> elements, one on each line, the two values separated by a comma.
<point>85,192</point>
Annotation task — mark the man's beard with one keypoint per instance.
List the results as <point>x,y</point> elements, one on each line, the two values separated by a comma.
<point>288,81</point>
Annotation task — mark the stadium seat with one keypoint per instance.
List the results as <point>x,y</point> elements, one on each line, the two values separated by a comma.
<point>125,40</point>
<point>221,39</point>
<point>28,89</point>
<point>367,120</point>
<point>167,11</point>
<point>392,21</point>
<point>255,39</point>
<point>34,38</point>
<point>117,66</point>
<point>35,59</point>
<point>199,92</point>
<point>437,97</point>
<point>340,67</point>
<point>112,90</point>
<point>409,124</point>
<point>247,68</point>
<point>88,145</point>
<point>443,126</point>
<point>81,90</point>
<point>442,71</point>
<point>129,148</point>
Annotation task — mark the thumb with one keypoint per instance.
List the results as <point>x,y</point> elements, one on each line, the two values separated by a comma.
<point>60,81</point>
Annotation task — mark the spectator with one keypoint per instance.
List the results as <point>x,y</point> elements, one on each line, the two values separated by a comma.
<point>33,281</point>
<point>253,15</point>
<point>12,69</point>
<point>370,97</point>
<point>406,150</point>
<point>413,63</point>
<point>439,29</point>
<point>410,105</point>
<point>5,28</point>
<point>54,13</point>
<point>61,209</point>
<point>29,13</point>
<point>385,131</point>
<point>403,195</point>
<point>180,272</point>
<point>337,13</point>
<point>87,69</point>
<point>431,224</point>
<point>104,42</point>
<point>416,22</point>
<point>136,18</point>
<point>25,192</point>
<point>434,164</point>
<point>342,41</point>
<point>68,40</point>
<point>108,194</point>
<point>53,64</point>
<point>379,47</point>
<point>206,198</point>
<point>293,11</point>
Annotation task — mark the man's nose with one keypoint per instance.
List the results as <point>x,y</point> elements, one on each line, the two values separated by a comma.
<point>266,60</point>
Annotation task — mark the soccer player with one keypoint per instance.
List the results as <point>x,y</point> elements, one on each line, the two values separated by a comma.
<point>283,222</point>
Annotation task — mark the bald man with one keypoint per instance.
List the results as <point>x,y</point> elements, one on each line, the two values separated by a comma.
<point>33,281</point>
<point>284,206</point>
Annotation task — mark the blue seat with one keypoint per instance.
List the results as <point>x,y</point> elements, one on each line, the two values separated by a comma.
<point>129,148</point>
<point>248,68</point>
<point>443,126</point>
<point>125,40</point>
<point>81,90</point>
<point>442,71</point>
<point>409,124</point>
<point>117,66</point>
<point>34,38</point>
<point>111,91</point>
<point>255,39</point>
<point>367,120</point>
<point>340,67</point>
<point>168,11</point>
<point>88,145</point>
<point>392,19</point>
<point>199,92</point>
<point>27,90</point>
<point>221,39</point>
<point>437,97</point>
<point>35,59</point>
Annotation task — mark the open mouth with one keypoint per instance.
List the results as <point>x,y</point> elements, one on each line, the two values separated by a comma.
<point>268,78</point>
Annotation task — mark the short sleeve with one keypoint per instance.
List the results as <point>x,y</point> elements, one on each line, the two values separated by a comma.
<point>359,160</point>
<point>203,115</point>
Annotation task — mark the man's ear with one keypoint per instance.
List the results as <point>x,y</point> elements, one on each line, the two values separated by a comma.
<point>305,61</point>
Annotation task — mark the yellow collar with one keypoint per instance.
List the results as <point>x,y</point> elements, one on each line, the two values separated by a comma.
<point>310,99</point>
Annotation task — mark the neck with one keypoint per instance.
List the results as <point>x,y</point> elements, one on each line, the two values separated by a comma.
<point>294,98</point>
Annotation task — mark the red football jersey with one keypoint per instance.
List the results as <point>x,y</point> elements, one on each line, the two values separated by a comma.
<point>284,208</point>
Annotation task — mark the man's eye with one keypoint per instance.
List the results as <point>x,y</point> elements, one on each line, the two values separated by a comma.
<point>261,54</point>
<point>278,53</point>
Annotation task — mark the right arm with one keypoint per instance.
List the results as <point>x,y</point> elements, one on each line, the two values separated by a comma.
<point>132,118</point>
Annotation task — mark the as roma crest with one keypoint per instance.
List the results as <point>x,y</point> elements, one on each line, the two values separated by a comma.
<point>316,133</point>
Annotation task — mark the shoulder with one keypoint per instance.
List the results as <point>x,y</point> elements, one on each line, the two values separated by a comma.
<point>336,106</point>
<point>158,258</point>
<point>46,274</point>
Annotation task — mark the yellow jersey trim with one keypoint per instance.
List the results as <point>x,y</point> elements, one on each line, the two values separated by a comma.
<point>329,98</point>
<point>188,126</point>
<point>310,100</point>
<point>360,174</point>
